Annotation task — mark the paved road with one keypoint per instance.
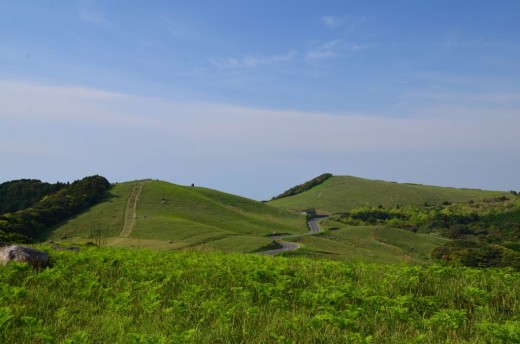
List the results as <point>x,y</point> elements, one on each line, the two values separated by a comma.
<point>314,226</point>
<point>286,246</point>
<point>289,246</point>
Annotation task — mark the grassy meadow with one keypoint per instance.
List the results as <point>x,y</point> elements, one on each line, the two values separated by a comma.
<point>342,193</point>
<point>179,217</point>
<point>109,295</point>
<point>374,244</point>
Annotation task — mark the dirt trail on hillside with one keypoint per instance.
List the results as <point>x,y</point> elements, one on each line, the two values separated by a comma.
<point>131,210</point>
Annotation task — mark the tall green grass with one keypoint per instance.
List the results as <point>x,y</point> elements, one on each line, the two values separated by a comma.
<point>139,296</point>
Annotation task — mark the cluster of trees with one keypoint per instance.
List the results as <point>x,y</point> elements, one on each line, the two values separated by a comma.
<point>497,217</point>
<point>304,187</point>
<point>20,194</point>
<point>394,217</point>
<point>34,221</point>
<point>485,233</point>
<point>429,218</point>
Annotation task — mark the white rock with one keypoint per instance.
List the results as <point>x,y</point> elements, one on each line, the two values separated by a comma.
<point>36,258</point>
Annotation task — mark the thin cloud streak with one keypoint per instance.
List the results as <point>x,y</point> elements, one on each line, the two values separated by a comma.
<point>92,12</point>
<point>254,61</point>
<point>333,21</point>
<point>323,51</point>
<point>351,23</point>
<point>314,55</point>
<point>287,129</point>
<point>330,49</point>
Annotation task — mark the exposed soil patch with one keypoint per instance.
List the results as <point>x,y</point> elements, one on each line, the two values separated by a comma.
<point>131,210</point>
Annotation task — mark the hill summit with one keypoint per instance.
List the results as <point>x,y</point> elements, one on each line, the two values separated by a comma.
<point>159,214</point>
<point>342,193</point>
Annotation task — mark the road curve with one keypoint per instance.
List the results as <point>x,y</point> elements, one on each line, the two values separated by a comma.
<point>286,246</point>
<point>314,227</point>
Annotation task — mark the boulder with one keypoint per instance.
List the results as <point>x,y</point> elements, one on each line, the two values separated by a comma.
<point>37,258</point>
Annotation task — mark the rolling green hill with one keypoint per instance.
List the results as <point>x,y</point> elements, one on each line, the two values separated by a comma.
<point>375,244</point>
<point>161,215</point>
<point>158,214</point>
<point>342,193</point>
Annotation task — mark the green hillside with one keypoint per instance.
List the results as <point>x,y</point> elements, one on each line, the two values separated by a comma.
<point>375,244</point>
<point>158,214</point>
<point>342,193</point>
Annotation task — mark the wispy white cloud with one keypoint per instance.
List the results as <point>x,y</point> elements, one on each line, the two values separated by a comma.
<point>173,27</point>
<point>40,106</point>
<point>179,27</point>
<point>254,61</point>
<point>350,22</point>
<point>92,12</point>
<point>434,91</point>
<point>333,21</point>
<point>357,47</point>
<point>314,55</point>
<point>331,44</point>
<point>450,42</point>
<point>196,122</point>
<point>323,51</point>
<point>332,49</point>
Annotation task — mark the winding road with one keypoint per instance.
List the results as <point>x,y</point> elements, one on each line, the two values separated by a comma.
<point>314,227</point>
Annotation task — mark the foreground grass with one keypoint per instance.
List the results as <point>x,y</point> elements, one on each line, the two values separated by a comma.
<point>139,296</point>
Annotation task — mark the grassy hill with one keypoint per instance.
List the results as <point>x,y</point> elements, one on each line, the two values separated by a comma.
<point>342,193</point>
<point>161,215</point>
<point>169,216</point>
<point>165,215</point>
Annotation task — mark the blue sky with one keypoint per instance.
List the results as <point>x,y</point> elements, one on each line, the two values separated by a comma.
<point>253,97</point>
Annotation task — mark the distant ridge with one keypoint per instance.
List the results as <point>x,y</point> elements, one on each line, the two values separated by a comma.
<point>342,193</point>
<point>298,189</point>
